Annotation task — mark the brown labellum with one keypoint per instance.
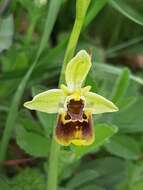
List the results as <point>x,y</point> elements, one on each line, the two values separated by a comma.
<point>74,125</point>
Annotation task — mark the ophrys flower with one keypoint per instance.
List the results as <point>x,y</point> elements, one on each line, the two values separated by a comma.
<point>73,103</point>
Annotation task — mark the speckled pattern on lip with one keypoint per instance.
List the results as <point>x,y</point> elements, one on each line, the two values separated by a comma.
<point>75,131</point>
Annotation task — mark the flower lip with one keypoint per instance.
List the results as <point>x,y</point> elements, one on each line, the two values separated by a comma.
<point>74,131</point>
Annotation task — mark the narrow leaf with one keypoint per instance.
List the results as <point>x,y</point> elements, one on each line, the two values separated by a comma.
<point>127,10</point>
<point>107,68</point>
<point>121,85</point>
<point>94,9</point>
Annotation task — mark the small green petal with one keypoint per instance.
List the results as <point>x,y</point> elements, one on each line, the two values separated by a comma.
<point>77,69</point>
<point>98,104</point>
<point>49,101</point>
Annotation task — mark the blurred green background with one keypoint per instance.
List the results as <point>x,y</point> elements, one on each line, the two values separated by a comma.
<point>114,37</point>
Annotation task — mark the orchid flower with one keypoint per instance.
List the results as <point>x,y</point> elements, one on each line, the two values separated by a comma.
<point>74,104</point>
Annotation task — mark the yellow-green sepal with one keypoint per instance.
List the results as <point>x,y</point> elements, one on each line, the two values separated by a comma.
<point>98,104</point>
<point>49,101</point>
<point>77,70</point>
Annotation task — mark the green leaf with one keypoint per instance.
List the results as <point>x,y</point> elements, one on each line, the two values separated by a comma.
<point>121,85</point>
<point>127,102</point>
<point>128,10</point>
<point>29,124</point>
<point>32,143</point>
<point>67,164</point>
<point>109,69</point>
<point>130,120</point>
<point>137,186</point>
<point>102,133</point>
<point>106,165</point>
<point>82,178</point>
<point>29,179</point>
<point>124,146</point>
<point>95,8</point>
<point>111,170</point>
<point>47,121</point>
<point>130,46</point>
<point>4,183</point>
<point>135,172</point>
<point>134,176</point>
<point>6,32</point>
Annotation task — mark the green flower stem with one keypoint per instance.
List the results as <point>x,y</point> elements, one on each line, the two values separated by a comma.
<point>52,182</point>
<point>81,9</point>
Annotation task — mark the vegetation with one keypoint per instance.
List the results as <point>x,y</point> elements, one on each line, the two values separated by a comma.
<point>37,40</point>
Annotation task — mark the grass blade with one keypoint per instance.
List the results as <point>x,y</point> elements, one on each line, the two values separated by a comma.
<point>121,85</point>
<point>115,71</point>
<point>95,8</point>
<point>127,10</point>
